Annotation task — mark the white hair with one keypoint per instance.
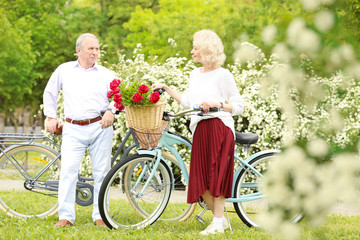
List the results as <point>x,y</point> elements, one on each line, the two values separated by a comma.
<point>82,37</point>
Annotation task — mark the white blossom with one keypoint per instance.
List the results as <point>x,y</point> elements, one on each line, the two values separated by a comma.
<point>269,34</point>
<point>324,20</point>
<point>317,147</point>
<point>310,5</point>
<point>302,38</point>
<point>247,52</point>
<point>283,52</point>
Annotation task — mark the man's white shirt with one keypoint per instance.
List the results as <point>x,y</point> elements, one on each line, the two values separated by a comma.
<point>84,90</point>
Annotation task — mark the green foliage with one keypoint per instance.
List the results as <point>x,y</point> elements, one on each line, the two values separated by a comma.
<point>32,48</point>
<point>40,35</point>
<point>16,64</point>
<point>179,20</point>
<point>106,19</point>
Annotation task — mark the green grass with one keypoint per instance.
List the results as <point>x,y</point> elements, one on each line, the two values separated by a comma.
<point>336,227</point>
<point>39,203</point>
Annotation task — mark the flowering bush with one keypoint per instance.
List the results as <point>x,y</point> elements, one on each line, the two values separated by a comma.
<point>131,93</point>
<point>263,114</point>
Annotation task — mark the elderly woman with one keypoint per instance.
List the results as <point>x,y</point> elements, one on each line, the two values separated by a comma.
<point>212,156</point>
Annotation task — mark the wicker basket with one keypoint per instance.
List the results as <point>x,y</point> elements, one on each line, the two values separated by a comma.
<point>149,138</point>
<point>147,122</point>
<point>145,117</point>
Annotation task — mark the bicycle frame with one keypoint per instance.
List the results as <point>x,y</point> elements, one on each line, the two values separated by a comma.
<point>9,141</point>
<point>169,139</point>
<point>28,139</point>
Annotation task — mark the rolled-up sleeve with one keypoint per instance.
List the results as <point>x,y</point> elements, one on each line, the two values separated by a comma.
<point>185,100</point>
<point>233,96</point>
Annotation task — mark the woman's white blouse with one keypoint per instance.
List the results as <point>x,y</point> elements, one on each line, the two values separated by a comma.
<point>215,86</point>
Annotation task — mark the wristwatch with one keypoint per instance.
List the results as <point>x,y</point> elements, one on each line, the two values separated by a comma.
<point>221,107</point>
<point>113,111</point>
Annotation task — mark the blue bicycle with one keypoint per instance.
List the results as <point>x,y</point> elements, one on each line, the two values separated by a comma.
<point>143,187</point>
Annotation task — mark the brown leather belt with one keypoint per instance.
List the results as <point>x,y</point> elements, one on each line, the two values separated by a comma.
<point>83,122</point>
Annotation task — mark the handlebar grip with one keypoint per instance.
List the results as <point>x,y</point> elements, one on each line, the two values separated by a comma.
<point>103,112</point>
<point>160,90</point>
<point>214,109</point>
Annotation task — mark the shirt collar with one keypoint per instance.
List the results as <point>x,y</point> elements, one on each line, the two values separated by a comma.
<point>95,67</point>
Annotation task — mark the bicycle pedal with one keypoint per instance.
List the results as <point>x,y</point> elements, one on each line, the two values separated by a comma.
<point>197,217</point>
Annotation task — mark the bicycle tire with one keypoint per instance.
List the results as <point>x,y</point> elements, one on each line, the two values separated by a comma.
<point>248,182</point>
<point>17,197</point>
<point>177,208</point>
<point>118,193</point>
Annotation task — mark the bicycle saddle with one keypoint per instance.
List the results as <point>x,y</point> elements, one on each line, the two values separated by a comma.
<point>246,138</point>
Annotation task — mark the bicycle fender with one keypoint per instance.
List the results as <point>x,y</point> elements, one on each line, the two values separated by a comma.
<point>154,153</point>
<point>31,144</point>
<point>255,155</point>
<point>264,152</point>
<point>171,138</point>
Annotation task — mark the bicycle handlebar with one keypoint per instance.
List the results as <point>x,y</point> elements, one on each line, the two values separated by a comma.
<point>159,90</point>
<point>188,111</point>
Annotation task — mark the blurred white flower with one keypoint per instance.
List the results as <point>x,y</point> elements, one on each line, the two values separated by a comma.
<point>290,230</point>
<point>310,5</point>
<point>353,70</point>
<point>269,33</point>
<point>302,38</point>
<point>317,147</point>
<point>324,20</point>
<point>283,52</point>
<point>247,52</point>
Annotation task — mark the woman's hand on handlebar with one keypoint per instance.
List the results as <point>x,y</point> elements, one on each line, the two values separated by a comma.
<point>158,86</point>
<point>173,93</point>
<point>207,105</point>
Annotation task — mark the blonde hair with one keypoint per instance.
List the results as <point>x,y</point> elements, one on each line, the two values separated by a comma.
<point>210,46</point>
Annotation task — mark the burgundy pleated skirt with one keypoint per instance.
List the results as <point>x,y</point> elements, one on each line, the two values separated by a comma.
<point>212,160</point>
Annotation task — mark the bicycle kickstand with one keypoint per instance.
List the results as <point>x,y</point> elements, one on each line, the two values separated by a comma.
<point>227,219</point>
<point>198,217</point>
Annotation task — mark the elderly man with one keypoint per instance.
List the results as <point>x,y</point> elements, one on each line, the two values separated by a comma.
<point>84,84</point>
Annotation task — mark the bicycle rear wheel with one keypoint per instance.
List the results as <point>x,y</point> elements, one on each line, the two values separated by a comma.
<point>125,201</point>
<point>248,184</point>
<point>21,195</point>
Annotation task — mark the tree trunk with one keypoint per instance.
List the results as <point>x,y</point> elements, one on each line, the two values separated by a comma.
<point>2,123</point>
<point>26,120</point>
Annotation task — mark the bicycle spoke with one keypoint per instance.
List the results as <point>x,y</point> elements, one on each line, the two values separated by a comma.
<point>19,197</point>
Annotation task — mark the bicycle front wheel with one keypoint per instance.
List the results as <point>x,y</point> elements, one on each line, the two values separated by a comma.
<point>130,197</point>
<point>177,209</point>
<point>248,185</point>
<point>24,190</point>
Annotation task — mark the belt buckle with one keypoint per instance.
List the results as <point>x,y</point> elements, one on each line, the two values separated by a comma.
<point>89,121</point>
